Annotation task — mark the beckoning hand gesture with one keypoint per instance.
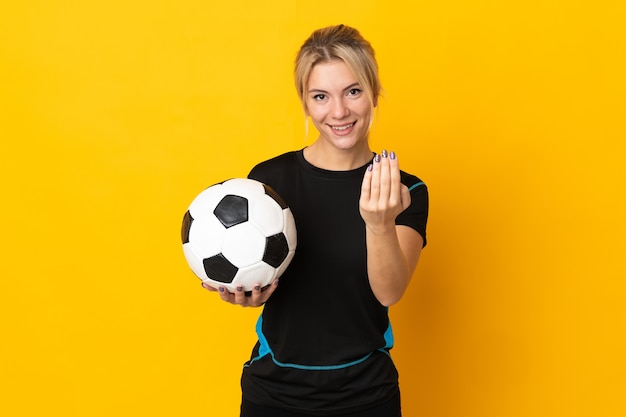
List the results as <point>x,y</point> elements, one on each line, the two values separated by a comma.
<point>383,196</point>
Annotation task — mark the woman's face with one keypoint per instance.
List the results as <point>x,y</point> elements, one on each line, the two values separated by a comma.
<point>338,106</point>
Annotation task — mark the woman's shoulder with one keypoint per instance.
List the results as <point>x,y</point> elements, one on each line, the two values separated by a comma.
<point>411,181</point>
<point>276,165</point>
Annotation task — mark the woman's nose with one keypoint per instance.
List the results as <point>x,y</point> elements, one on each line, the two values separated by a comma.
<point>340,109</point>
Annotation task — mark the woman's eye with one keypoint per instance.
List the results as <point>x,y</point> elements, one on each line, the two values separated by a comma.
<point>354,92</point>
<point>319,97</point>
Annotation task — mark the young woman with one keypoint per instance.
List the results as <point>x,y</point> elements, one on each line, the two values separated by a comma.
<point>324,333</point>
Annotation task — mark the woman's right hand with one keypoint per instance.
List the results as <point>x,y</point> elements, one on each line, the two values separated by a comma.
<point>257,298</point>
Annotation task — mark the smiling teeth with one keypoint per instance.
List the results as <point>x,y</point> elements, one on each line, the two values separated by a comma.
<point>343,127</point>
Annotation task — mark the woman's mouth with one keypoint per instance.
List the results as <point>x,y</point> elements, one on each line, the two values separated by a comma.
<point>342,128</point>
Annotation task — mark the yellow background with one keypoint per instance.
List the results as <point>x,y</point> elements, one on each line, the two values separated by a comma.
<point>115,114</point>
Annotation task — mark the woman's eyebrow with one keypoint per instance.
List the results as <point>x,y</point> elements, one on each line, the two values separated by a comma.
<point>319,90</point>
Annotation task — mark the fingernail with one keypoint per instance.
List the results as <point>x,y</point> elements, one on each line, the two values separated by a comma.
<point>384,153</point>
<point>239,289</point>
<point>257,287</point>
<point>392,155</point>
<point>377,158</point>
<point>275,282</point>
<point>221,289</point>
<point>370,167</point>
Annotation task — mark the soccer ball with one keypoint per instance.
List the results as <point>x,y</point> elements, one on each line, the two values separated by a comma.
<point>238,233</point>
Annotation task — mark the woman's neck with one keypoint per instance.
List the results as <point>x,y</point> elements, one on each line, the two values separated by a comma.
<point>334,159</point>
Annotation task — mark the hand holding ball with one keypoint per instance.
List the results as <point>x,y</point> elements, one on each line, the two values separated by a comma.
<point>238,233</point>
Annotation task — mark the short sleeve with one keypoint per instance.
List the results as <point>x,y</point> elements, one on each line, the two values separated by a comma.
<point>416,215</point>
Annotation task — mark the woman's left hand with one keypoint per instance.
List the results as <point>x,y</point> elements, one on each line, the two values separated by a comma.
<point>392,251</point>
<point>383,196</point>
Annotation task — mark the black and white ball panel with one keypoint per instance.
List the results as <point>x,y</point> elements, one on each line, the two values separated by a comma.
<point>232,210</point>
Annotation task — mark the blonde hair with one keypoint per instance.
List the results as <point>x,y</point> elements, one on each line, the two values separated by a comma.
<point>338,43</point>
